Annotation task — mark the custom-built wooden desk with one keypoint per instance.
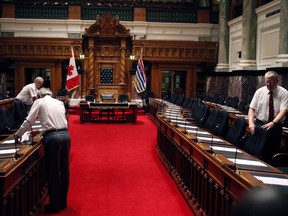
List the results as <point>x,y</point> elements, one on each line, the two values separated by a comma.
<point>107,112</point>
<point>7,103</point>
<point>22,180</point>
<point>208,182</point>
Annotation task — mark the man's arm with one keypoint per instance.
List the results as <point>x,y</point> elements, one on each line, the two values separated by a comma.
<point>281,115</point>
<point>251,124</point>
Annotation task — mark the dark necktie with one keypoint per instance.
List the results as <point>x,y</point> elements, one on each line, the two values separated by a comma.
<point>271,107</point>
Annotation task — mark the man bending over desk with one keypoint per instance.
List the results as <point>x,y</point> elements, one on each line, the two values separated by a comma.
<point>56,141</point>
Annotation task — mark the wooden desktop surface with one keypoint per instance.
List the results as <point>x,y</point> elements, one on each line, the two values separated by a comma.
<point>7,103</point>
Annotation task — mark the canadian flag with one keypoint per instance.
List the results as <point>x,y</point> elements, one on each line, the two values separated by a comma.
<point>72,80</point>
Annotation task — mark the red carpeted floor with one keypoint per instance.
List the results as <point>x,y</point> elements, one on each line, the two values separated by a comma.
<point>115,170</point>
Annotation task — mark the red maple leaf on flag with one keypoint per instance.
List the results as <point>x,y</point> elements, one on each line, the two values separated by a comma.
<point>70,70</point>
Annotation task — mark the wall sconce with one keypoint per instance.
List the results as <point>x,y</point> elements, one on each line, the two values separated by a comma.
<point>132,57</point>
<point>239,54</point>
<point>82,56</point>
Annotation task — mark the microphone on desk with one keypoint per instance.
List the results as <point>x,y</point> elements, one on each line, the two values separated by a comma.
<point>196,134</point>
<point>239,143</point>
<point>212,140</point>
<point>169,114</point>
<point>185,127</point>
<point>161,108</point>
<point>31,131</point>
<point>176,124</point>
<point>16,138</point>
<point>197,128</point>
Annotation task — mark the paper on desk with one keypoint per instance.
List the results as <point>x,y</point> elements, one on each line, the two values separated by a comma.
<point>198,132</point>
<point>178,121</point>
<point>25,137</point>
<point>8,151</point>
<point>187,126</point>
<point>12,141</point>
<point>225,149</point>
<point>273,180</point>
<point>247,162</point>
<point>210,139</point>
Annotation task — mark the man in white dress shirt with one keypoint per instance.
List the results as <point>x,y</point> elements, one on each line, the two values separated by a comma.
<point>259,109</point>
<point>28,94</point>
<point>56,140</point>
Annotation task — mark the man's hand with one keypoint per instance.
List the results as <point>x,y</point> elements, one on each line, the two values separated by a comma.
<point>252,128</point>
<point>268,126</point>
<point>34,133</point>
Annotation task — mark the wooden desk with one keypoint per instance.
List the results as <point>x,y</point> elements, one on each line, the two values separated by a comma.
<point>23,180</point>
<point>106,112</point>
<point>7,103</point>
<point>208,182</point>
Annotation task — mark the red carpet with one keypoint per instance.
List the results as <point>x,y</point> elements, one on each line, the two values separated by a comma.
<point>115,171</point>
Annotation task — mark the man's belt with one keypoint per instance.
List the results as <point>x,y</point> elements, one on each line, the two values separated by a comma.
<point>54,131</point>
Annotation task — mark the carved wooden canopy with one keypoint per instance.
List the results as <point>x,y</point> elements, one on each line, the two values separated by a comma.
<point>107,25</point>
<point>106,28</point>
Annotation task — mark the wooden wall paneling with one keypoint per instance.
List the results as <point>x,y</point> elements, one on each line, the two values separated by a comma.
<point>56,77</point>
<point>84,81</point>
<point>39,48</point>
<point>56,74</point>
<point>139,14</point>
<point>165,55</point>
<point>19,78</point>
<point>203,16</point>
<point>75,12</point>
<point>156,80</point>
<point>8,10</point>
<point>189,52</point>
<point>190,90</point>
<point>129,77</point>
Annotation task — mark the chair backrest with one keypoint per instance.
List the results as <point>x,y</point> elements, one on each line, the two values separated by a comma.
<point>221,123</point>
<point>90,98</point>
<point>241,106</point>
<point>228,101</point>
<point>123,98</point>
<point>190,103</point>
<point>19,112</point>
<point>185,102</point>
<point>256,143</point>
<point>220,99</point>
<point>180,100</point>
<point>173,98</point>
<point>202,115</point>
<point>206,97</point>
<point>210,122</point>
<point>236,131</point>
<point>246,109</point>
<point>7,122</point>
<point>234,101</point>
